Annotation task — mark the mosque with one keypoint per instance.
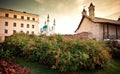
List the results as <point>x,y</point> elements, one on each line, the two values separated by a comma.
<point>47,29</point>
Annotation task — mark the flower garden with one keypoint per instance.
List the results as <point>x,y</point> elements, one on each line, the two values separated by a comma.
<point>56,51</point>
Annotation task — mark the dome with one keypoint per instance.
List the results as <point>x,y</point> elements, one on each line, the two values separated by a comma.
<point>45,26</point>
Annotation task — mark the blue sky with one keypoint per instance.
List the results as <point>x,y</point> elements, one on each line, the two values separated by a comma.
<point>66,12</point>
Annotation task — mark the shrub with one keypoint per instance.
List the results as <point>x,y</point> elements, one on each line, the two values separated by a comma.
<point>59,52</point>
<point>114,48</point>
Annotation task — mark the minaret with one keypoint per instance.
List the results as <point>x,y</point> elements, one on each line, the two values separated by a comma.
<point>91,11</point>
<point>54,23</point>
<point>48,20</point>
<point>48,28</point>
<point>45,23</point>
<point>84,12</point>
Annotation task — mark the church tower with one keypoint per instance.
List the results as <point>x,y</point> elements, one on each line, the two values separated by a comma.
<point>84,12</point>
<point>91,11</point>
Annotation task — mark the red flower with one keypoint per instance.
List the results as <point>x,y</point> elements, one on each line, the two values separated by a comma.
<point>22,71</point>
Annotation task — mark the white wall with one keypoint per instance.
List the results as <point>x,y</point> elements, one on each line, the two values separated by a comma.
<point>18,22</point>
<point>88,26</point>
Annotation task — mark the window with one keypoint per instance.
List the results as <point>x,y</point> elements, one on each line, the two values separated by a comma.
<point>14,24</point>
<point>22,25</point>
<point>33,19</point>
<point>27,32</point>
<point>22,17</point>
<point>32,32</point>
<point>6,23</point>
<point>14,31</point>
<point>6,31</point>
<point>21,31</point>
<point>28,18</point>
<point>15,16</point>
<point>32,26</point>
<point>6,15</point>
<point>27,25</point>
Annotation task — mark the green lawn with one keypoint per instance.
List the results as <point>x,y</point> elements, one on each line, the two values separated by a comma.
<point>36,68</point>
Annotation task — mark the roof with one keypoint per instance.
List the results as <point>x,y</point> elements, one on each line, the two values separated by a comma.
<point>91,4</point>
<point>18,11</point>
<point>45,26</point>
<point>99,20</point>
<point>103,20</point>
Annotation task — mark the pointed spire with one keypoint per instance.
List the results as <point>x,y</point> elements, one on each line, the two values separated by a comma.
<point>91,4</point>
<point>54,19</point>
<point>54,22</point>
<point>91,11</point>
<point>45,23</point>
<point>48,18</point>
<point>84,12</point>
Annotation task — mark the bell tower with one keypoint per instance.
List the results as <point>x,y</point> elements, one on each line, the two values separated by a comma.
<point>91,11</point>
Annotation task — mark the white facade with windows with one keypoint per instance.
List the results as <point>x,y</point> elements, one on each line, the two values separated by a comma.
<point>14,21</point>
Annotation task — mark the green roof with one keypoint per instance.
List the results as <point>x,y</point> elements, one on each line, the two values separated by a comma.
<point>45,26</point>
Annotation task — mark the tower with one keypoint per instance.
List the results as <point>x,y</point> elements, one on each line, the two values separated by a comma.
<point>54,23</point>
<point>48,23</point>
<point>47,29</point>
<point>91,11</point>
<point>84,12</point>
<point>48,20</point>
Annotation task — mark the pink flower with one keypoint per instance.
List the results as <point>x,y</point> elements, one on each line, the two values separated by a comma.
<point>22,71</point>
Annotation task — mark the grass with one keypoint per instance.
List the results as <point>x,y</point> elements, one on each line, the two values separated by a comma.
<point>112,68</point>
<point>36,68</point>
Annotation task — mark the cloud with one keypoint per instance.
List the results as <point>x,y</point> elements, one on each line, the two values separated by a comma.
<point>111,9</point>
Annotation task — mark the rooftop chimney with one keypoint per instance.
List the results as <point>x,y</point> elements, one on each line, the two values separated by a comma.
<point>91,10</point>
<point>119,18</point>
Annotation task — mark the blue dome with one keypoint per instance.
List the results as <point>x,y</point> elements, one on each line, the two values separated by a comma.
<point>45,26</point>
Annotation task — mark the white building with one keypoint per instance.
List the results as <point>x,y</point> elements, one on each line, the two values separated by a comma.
<point>47,29</point>
<point>14,21</point>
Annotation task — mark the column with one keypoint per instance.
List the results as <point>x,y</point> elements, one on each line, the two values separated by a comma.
<point>116,32</point>
<point>107,31</point>
<point>103,32</point>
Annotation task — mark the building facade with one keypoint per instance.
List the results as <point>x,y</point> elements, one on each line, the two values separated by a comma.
<point>14,21</point>
<point>98,28</point>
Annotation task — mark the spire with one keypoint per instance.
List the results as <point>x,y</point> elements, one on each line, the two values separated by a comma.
<point>54,22</point>
<point>91,4</point>
<point>84,12</point>
<point>45,23</point>
<point>48,18</point>
<point>91,10</point>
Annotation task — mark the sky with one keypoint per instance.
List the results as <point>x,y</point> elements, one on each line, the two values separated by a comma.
<point>67,13</point>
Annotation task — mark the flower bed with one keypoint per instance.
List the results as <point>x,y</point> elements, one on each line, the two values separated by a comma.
<point>7,66</point>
